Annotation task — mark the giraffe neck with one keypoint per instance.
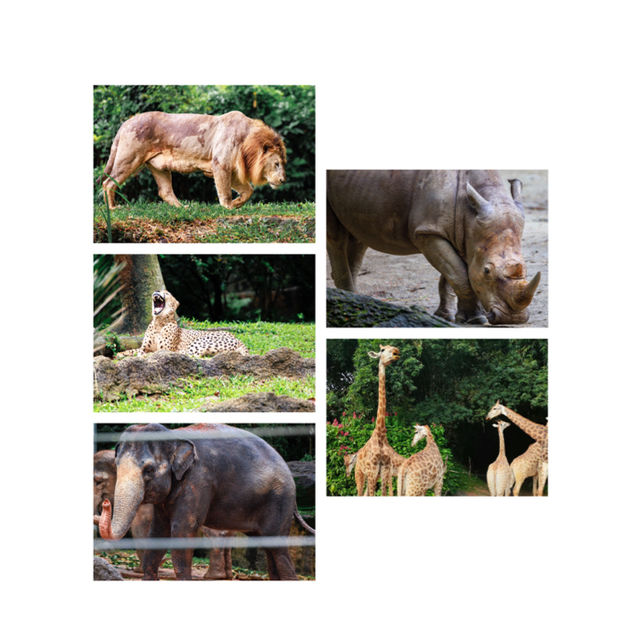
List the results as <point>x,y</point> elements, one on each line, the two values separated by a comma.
<point>533,429</point>
<point>501,452</point>
<point>381,428</point>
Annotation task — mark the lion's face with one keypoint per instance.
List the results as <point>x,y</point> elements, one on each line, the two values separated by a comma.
<point>273,171</point>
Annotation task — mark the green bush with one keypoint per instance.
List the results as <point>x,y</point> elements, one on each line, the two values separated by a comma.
<point>289,109</point>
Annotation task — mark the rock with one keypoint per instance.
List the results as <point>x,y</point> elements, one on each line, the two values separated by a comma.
<point>282,362</point>
<point>260,402</point>
<point>304,475</point>
<point>156,372</point>
<point>103,570</point>
<point>347,309</point>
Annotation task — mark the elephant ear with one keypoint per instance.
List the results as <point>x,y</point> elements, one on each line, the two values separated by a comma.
<point>184,455</point>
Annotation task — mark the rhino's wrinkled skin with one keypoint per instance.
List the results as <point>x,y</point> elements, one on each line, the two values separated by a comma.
<point>468,225</point>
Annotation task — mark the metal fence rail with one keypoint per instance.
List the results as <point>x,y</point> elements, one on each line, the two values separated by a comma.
<point>214,542</point>
<point>266,432</point>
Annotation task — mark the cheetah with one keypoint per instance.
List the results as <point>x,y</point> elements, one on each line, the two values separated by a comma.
<point>164,333</point>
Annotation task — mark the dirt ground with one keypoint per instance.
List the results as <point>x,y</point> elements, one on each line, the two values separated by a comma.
<point>411,280</point>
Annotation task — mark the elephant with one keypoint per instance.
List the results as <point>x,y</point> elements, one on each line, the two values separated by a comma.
<point>104,483</point>
<point>233,481</point>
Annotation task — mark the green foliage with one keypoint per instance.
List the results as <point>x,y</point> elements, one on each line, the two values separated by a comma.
<point>107,308</point>
<point>244,287</point>
<point>289,109</point>
<point>362,394</point>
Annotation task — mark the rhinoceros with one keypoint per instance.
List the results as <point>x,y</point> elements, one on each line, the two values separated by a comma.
<point>466,223</point>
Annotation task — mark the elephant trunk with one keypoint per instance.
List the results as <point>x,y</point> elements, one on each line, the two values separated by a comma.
<point>128,497</point>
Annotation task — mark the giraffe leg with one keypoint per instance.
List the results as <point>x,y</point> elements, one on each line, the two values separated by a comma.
<point>437,489</point>
<point>542,477</point>
<point>390,492</point>
<point>372,480</point>
<point>518,484</point>
<point>360,481</point>
<point>386,482</point>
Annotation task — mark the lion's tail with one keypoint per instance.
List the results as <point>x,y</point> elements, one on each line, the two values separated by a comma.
<point>112,158</point>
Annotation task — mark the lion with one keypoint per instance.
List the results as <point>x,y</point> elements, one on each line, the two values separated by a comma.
<point>237,151</point>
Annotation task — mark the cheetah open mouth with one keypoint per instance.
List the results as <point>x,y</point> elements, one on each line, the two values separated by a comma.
<point>158,303</point>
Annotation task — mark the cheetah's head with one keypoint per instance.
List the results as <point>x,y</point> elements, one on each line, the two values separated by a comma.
<point>163,304</point>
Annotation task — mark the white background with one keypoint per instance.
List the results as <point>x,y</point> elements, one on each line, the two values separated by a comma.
<point>540,85</point>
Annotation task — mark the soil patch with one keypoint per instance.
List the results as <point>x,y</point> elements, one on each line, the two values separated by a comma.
<point>260,402</point>
<point>274,228</point>
<point>411,280</point>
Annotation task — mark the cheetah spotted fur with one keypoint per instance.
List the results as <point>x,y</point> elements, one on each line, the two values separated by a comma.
<point>164,333</point>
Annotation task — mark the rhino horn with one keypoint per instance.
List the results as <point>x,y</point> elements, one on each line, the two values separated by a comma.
<point>516,188</point>
<point>522,298</point>
<point>477,201</point>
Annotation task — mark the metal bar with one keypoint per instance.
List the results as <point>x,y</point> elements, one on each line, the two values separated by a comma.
<point>294,430</point>
<point>205,542</point>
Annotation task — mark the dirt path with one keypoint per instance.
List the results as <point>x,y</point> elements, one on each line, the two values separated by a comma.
<point>411,280</point>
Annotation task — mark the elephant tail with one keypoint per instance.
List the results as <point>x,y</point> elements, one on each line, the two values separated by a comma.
<point>303,524</point>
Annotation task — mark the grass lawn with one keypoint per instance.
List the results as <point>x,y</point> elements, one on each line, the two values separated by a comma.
<point>259,337</point>
<point>204,222</point>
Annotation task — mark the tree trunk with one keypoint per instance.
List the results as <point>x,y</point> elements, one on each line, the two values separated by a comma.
<point>140,277</point>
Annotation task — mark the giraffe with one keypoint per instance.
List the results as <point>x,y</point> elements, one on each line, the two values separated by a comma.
<point>423,470</point>
<point>526,466</point>
<point>350,460</point>
<point>373,460</point>
<point>499,474</point>
<point>539,432</point>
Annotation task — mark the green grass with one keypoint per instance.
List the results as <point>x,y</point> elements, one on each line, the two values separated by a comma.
<point>189,395</point>
<point>204,222</point>
<point>259,337</point>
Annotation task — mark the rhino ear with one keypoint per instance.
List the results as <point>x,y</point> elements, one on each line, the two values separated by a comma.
<point>478,203</point>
